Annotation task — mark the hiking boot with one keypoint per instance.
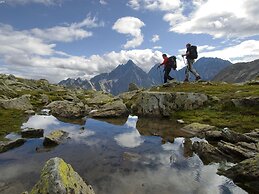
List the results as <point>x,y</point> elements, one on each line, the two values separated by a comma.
<point>186,80</point>
<point>198,78</point>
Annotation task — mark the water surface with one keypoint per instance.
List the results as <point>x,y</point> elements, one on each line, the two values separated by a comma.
<point>115,157</point>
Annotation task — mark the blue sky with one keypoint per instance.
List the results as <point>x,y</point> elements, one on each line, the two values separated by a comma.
<point>57,39</point>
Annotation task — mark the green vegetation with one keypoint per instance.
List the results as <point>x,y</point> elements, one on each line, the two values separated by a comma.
<point>11,121</point>
<point>223,113</point>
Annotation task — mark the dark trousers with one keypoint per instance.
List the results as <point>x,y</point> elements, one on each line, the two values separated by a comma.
<point>166,75</point>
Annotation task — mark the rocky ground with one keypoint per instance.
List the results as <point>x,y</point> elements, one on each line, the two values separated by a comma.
<point>226,115</point>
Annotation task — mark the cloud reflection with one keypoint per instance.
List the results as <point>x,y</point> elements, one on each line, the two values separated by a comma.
<point>130,139</point>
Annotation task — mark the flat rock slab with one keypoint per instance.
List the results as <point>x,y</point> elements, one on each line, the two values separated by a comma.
<point>5,146</point>
<point>197,129</point>
<point>59,177</point>
<point>32,133</point>
<point>55,138</point>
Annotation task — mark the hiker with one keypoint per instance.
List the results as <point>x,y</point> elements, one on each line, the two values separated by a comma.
<point>191,55</point>
<point>167,68</point>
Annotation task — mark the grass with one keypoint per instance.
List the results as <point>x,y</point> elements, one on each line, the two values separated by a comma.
<point>221,114</point>
<point>11,121</point>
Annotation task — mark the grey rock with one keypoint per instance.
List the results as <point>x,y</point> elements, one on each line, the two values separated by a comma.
<point>21,103</point>
<point>197,129</point>
<point>234,137</point>
<point>213,135</point>
<point>5,146</point>
<point>246,102</point>
<point>113,109</point>
<point>55,138</point>
<point>209,153</point>
<point>59,177</point>
<point>32,133</point>
<point>238,151</point>
<point>245,173</point>
<point>67,109</point>
<point>162,104</point>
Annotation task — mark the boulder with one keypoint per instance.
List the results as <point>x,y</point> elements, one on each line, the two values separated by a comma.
<point>239,151</point>
<point>113,109</point>
<point>8,145</point>
<point>209,153</point>
<point>55,138</point>
<point>245,174</point>
<point>162,104</point>
<point>32,133</point>
<point>21,103</point>
<point>213,135</point>
<point>197,129</point>
<point>67,109</point>
<point>99,98</point>
<point>253,134</point>
<point>59,177</point>
<point>234,137</point>
<point>246,102</point>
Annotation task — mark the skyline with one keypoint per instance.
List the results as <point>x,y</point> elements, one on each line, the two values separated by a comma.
<point>57,39</point>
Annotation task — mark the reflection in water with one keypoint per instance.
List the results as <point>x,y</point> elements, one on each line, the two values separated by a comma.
<point>97,153</point>
<point>131,139</point>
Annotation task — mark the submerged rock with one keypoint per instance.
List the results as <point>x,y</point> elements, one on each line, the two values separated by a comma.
<point>21,103</point>
<point>55,138</point>
<point>32,133</point>
<point>5,146</point>
<point>162,104</point>
<point>59,177</point>
<point>245,173</point>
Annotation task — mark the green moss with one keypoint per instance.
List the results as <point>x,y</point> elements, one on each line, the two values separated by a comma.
<point>10,121</point>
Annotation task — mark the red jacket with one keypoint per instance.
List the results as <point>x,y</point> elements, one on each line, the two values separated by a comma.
<point>165,62</point>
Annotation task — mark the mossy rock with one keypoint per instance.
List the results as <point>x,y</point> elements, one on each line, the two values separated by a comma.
<point>59,177</point>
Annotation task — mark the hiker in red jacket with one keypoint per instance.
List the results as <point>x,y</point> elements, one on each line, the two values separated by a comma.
<point>167,68</point>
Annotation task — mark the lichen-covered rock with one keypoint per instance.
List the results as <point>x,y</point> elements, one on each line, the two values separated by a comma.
<point>21,103</point>
<point>162,104</point>
<point>213,135</point>
<point>113,109</point>
<point>245,173</point>
<point>197,129</point>
<point>55,138</point>
<point>67,109</point>
<point>246,102</point>
<point>99,98</point>
<point>8,145</point>
<point>59,177</point>
<point>32,133</point>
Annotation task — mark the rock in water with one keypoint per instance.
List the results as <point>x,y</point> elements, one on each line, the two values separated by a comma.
<point>55,138</point>
<point>246,173</point>
<point>59,177</point>
<point>5,146</point>
<point>32,133</point>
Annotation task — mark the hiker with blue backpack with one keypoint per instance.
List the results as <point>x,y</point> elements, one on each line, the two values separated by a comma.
<point>191,54</point>
<point>169,63</point>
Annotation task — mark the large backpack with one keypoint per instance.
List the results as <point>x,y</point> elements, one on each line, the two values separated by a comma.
<point>193,52</point>
<point>172,62</point>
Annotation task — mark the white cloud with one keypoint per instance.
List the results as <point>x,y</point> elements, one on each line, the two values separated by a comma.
<point>103,2</point>
<point>163,5</point>
<point>221,19</point>
<point>23,55</point>
<point>131,26</point>
<point>45,2</point>
<point>157,47</point>
<point>74,31</point>
<point>155,38</point>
